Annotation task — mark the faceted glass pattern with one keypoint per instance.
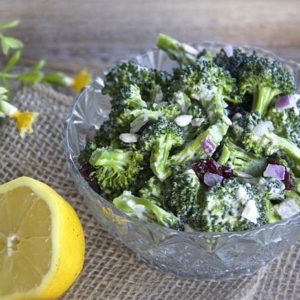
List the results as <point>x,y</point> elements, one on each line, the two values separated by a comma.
<point>190,254</point>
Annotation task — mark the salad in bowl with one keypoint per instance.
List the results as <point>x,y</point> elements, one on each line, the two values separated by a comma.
<point>212,146</point>
<point>189,155</point>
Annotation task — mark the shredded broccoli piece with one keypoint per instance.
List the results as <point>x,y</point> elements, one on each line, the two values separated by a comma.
<point>223,205</point>
<point>182,193</point>
<point>240,160</point>
<point>116,169</point>
<point>159,138</point>
<point>180,52</point>
<point>145,210</point>
<point>262,140</point>
<point>204,81</point>
<point>194,150</point>
<point>153,189</point>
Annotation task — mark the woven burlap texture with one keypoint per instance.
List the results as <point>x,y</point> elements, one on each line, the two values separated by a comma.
<point>111,271</point>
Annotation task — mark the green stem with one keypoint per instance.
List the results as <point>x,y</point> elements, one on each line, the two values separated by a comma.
<point>194,149</point>
<point>7,109</point>
<point>285,145</point>
<point>262,99</point>
<point>8,76</point>
<point>225,155</point>
<point>175,49</point>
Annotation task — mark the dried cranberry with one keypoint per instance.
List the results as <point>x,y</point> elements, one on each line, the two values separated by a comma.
<point>210,165</point>
<point>288,180</point>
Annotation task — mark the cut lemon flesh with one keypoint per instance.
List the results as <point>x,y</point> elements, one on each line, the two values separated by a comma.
<point>41,241</point>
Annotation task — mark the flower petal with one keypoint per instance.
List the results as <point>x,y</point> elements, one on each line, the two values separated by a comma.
<point>24,121</point>
<point>80,80</point>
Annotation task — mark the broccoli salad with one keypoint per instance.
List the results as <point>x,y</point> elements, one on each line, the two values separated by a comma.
<point>213,146</point>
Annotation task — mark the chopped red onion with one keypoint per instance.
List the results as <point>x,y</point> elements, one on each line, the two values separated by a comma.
<point>208,145</point>
<point>275,171</point>
<point>283,101</point>
<point>228,49</point>
<point>211,179</point>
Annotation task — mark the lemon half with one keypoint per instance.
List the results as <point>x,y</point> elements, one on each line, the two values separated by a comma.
<point>41,241</point>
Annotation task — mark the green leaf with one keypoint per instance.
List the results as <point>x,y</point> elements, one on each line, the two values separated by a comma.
<point>39,65</point>
<point>56,78</point>
<point>5,47</point>
<point>8,43</point>
<point>9,24</point>
<point>3,93</point>
<point>12,61</point>
<point>30,77</point>
<point>5,85</point>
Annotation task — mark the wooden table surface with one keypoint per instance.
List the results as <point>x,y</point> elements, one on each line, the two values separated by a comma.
<point>75,34</point>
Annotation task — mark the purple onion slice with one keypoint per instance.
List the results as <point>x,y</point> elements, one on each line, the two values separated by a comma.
<point>211,179</point>
<point>275,171</point>
<point>208,145</point>
<point>284,101</point>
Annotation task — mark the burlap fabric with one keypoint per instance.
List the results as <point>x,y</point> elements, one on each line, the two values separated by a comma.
<point>111,271</point>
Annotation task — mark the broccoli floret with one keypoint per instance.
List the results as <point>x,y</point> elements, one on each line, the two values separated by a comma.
<point>167,110</point>
<point>205,54</point>
<point>204,81</point>
<point>240,160</point>
<point>182,193</point>
<point>182,101</point>
<point>159,138</point>
<point>286,122</point>
<point>273,188</point>
<point>144,209</point>
<point>233,205</point>
<point>264,79</point>
<point>180,52</point>
<point>151,82</point>
<point>268,213</point>
<point>130,98</point>
<point>232,63</point>
<point>258,136</point>
<point>116,169</point>
<point>203,145</point>
<point>153,189</point>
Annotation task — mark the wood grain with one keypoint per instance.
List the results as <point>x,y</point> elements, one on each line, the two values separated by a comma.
<point>74,34</point>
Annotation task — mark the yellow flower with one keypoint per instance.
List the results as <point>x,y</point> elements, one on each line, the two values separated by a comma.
<point>24,121</point>
<point>80,80</point>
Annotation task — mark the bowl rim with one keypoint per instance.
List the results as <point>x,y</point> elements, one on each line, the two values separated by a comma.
<point>76,175</point>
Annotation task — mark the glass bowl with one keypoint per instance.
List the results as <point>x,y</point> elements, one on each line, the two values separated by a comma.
<point>189,254</point>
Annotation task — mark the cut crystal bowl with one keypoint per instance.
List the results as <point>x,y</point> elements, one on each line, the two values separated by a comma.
<point>190,254</point>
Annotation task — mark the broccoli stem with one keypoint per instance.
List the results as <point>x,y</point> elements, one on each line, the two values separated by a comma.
<point>194,149</point>
<point>238,159</point>
<point>225,156</point>
<point>262,98</point>
<point>114,159</point>
<point>271,214</point>
<point>182,53</point>
<point>159,156</point>
<point>128,203</point>
<point>285,145</point>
